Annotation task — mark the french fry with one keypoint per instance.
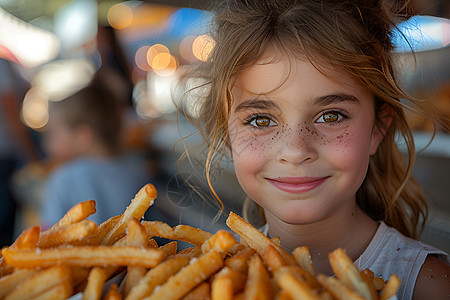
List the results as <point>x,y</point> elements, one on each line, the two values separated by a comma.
<point>283,295</point>
<point>191,252</point>
<point>77,213</point>
<point>5,269</point>
<point>276,240</point>
<point>189,277</point>
<point>152,243</point>
<point>346,271</point>
<point>378,283</point>
<point>159,229</point>
<point>222,288</point>
<point>64,235</point>
<point>303,259</point>
<point>136,236</point>
<point>221,241</point>
<point>300,274</point>
<point>239,261</point>
<point>169,248</point>
<point>258,286</point>
<point>191,235</point>
<point>60,291</point>
<point>113,293</point>
<point>103,229</point>
<point>237,278</point>
<point>338,289</point>
<point>156,276</point>
<point>391,287</point>
<point>10,281</point>
<point>273,258</point>
<point>254,238</point>
<point>297,289</point>
<point>85,256</point>
<point>368,277</point>
<point>96,280</point>
<point>40,282</point>
<point>141,202</point>
<point>28,239</point>
<point>203,291</point>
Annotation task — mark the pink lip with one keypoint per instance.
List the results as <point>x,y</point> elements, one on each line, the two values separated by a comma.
<point>297,185</point>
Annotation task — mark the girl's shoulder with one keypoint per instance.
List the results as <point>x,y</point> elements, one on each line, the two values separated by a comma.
<point>391,252</point>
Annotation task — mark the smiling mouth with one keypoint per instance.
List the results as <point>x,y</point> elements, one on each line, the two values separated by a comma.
<point>297,185</point>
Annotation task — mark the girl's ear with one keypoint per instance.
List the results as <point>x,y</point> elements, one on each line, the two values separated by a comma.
<point>383,122</point>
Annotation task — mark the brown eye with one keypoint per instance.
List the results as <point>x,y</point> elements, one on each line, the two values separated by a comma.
<point>262,122</point>
<point>330,117</point>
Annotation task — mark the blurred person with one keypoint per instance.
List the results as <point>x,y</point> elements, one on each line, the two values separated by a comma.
<point>84,131</point>
<point>16,147</point>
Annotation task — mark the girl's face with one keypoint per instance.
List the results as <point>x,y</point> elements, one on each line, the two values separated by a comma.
<point>301,140</point>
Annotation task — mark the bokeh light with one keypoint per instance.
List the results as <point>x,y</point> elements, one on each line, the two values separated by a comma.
<point>169,69</point>
<point>35,109</point>
<point>161,61</point>
<point>141,58</point>
<point>203,46</point>
<point>154,50</point>
<point>186,48</point>
<point>120,16</point>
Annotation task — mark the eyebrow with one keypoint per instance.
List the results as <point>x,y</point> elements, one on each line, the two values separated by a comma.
<point>256,103</point>
<point>334,98</point>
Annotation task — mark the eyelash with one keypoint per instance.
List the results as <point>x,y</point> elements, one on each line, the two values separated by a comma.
<point>341,116</point>
<point>252,118</point>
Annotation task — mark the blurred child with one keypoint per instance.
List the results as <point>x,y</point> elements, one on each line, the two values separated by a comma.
<point>304,97</point>
<point>84,131</point>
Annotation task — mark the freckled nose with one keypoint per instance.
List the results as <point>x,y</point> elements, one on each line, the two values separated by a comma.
<point>297,145</point>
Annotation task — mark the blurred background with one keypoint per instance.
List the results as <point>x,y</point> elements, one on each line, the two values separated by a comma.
<point>135,51</point>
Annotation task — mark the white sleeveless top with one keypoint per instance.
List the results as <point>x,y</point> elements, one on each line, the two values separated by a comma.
<point>391,252</point>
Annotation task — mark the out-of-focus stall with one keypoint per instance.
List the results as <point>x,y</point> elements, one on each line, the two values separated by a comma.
<point>59,46</point>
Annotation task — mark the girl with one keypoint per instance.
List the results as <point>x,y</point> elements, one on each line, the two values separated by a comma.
<point>303,95</point>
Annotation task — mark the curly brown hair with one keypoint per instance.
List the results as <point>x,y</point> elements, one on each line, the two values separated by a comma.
<point>353,36</point>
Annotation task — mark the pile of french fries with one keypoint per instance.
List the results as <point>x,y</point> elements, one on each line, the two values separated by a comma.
<point>77,257</point>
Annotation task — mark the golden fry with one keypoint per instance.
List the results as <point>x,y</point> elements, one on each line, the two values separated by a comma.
<point>169,248</point>
<point>191,235</point>
<point>258,286</point>
<point>222,288</point>
<point>113,293</point>
<point>338,289</point>
<point>391,287</point>
<point>189,277</point>
<point>297,289</point>
<point>96,280</point>
<point>254,238</point>
<point>303,259</point>
<point>10,281</point>
<point>273,258</point>
<point>64,235</point>
<point>346,271</point>
<point>203,291</point>
<point>157,276</point>
<point>239,261</point>
<point>221,241</point>
<point>60,291</point>
<point>40,282</point>
<point>159,229</point>
<point>137,208</point>
<point>136,236</point>
<point>28,239</point>
<point>85,256</point>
